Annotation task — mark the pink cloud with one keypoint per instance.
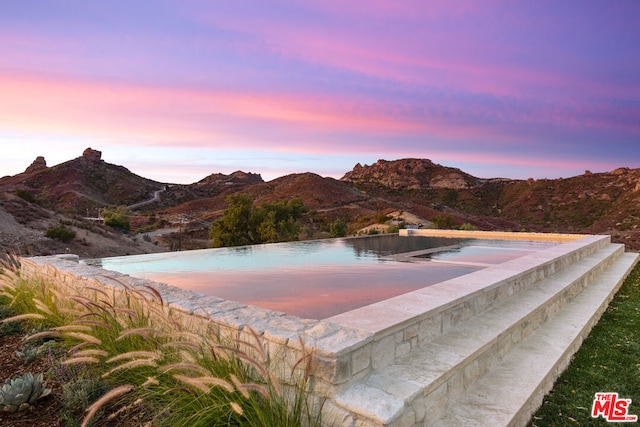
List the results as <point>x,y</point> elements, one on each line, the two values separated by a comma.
<point>125,114</point>
<point>447,57</point>
<point>160,115</point>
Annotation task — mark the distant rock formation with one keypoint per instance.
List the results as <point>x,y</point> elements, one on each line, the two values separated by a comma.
<point>412,174</point>
<point>246,177</point>
<point>92,155</point>
<point>38,164</point>
<point>620,171</point>
<point>237,177</point>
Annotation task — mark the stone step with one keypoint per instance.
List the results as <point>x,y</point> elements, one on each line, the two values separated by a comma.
<point>434,310</point>
<point>496,399</point>
<point>442,369</point>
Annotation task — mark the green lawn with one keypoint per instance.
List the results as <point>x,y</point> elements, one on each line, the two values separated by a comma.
<point>608,361</point>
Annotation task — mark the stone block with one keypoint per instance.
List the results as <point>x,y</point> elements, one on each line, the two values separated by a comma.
<point>383,352</point>
<point>436,402</point>
<point>471,373</point>
<point>333,415</point>
<point>455,385</point>
<point>429,328</point>
<point>333,370</point>
<point>406,419</point>
<point>403,348</point>
<point>340,341</point>
<point>361,359</point>
<point>419,409</point>
<point>411,332</point>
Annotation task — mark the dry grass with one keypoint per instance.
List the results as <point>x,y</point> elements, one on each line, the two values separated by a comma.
<point>147,354</point>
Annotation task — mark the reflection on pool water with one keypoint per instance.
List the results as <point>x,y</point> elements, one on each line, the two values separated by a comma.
<point>320,278</point>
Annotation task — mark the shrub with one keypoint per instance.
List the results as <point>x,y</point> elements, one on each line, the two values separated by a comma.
<point>338,228</point>
<point>245,224</point>
<point>60,233</point>
<point>468,227</point>
<point>382,219</point>
<point>25,195</point>
<point>443,222</point>
<point>117,218</point>
<point>393,229</point>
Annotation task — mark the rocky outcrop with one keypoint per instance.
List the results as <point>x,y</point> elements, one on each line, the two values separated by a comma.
<point>620,171</point>
<point>92,155</point>
<point>412,174</point>
<point>38,164</point>
<point>246,177</point>
<point>237,177</point>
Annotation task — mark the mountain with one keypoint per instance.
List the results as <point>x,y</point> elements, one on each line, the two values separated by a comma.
<point>411,174</point>
<point>367,197</point>
<point>44,197</point>
<point>593,203</point>
<point>81,185</point>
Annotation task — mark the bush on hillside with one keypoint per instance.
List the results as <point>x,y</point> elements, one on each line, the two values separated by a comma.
<point>63,234</point>
<point>443,222</point>
<point>25,195</point>
<point>338,228</point>
<point>117,218</point>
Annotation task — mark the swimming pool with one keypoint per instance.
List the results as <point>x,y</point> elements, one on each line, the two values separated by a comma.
<point>320,278</point>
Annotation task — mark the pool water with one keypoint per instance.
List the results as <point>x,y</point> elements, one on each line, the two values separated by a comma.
<point>320,278</point>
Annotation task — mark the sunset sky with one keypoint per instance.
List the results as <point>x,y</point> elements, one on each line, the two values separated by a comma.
<point>176,90</point>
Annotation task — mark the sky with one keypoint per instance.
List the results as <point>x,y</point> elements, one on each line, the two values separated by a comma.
<point>176,90</point>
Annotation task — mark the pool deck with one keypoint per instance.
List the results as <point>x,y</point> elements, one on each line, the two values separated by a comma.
<point>480,349</point>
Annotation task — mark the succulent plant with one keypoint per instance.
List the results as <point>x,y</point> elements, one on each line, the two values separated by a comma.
<point>28,354</point>
<point>18,394</point>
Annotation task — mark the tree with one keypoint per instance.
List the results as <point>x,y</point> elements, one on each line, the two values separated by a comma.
<point>244,224</point>
<point>278,221</point>
<point>445,222</point>
<point>234,228</point>
<point>117,217</point>
<point>338,228</point>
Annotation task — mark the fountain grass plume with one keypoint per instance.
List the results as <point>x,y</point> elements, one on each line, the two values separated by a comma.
<point>135,355</point>
<point>81,359</point>
<point>112,394</point>
<point>145,349</point>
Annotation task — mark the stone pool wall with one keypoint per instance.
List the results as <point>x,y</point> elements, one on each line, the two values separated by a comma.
<point>349,346</point>
<point>283,335</point>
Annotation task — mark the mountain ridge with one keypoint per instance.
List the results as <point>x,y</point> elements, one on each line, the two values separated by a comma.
<point>593,203</point>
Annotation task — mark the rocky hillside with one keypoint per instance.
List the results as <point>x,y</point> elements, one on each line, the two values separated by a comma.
<point>81,185</point>
<point>375,196</point>
<point>24,224</point>
<point>589,203</point>
<point>410,174</point>
<point>592,203</point>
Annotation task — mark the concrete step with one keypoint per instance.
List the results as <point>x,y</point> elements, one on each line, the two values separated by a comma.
<point>443,369</point>
<point>496,399</point>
